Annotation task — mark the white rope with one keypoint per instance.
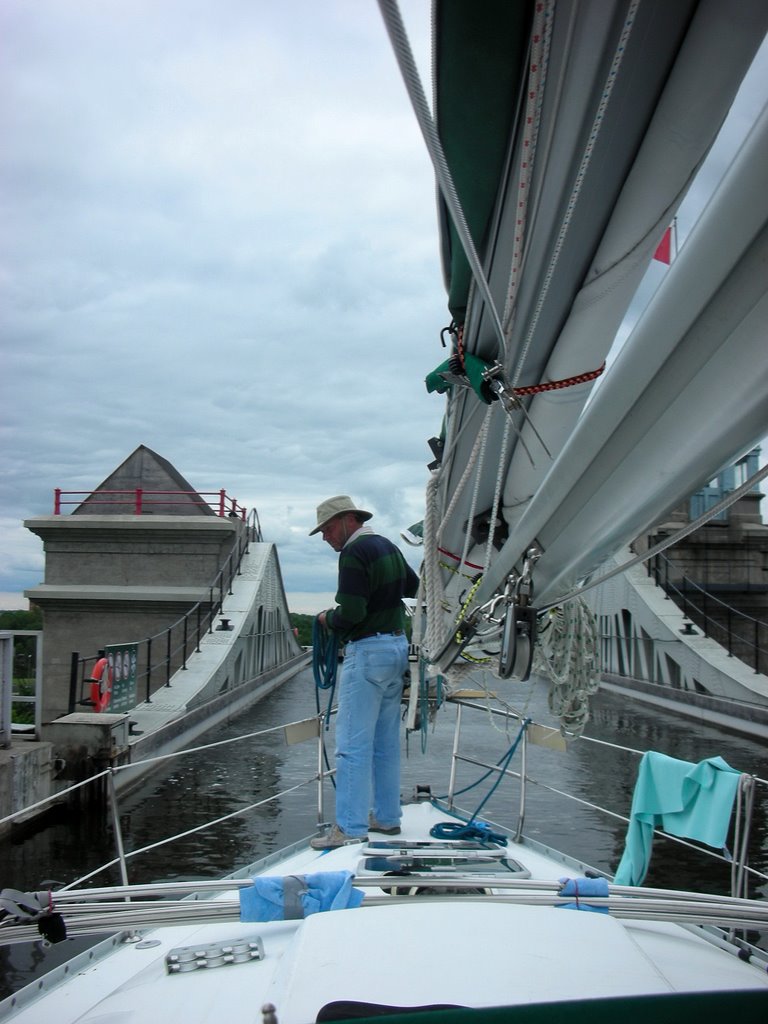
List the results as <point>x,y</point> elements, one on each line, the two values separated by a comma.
<point>434,594</point>
<point>483,444</point>
<point>567,653</point>
<point>500,476</point>
<point>541,35</point>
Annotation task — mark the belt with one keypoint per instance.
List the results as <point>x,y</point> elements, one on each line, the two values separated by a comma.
<point>367,636</point>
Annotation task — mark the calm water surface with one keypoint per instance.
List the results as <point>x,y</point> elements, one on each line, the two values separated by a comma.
<point>196,788</point>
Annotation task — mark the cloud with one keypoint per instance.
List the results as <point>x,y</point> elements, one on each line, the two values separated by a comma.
<point>218,239</point>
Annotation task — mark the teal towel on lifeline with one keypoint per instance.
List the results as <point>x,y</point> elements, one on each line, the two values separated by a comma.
<point>694,801</point>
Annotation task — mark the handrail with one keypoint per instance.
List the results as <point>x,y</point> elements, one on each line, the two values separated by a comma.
<point>193,625</point>
<point>702,618</point>
<point>133,907</point>
<point>222,505</point>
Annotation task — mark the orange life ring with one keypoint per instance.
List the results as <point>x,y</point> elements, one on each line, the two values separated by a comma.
<point>101,685</point>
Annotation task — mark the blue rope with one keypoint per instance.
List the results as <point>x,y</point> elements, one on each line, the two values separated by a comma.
<point>455,830</point>
<point>325,657</point>
<point>478,829</point>
<point>325,665</point>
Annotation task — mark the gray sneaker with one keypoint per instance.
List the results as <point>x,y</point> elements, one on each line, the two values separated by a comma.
<point>385,830</point>
<point>334,838</point>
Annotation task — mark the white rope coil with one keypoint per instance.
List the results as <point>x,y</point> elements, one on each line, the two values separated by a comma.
<point>568,654</point>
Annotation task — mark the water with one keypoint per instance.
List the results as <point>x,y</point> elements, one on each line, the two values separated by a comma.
<point>209,784</point>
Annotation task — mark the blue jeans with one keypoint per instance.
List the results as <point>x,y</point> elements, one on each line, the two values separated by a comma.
<point>368,733</point>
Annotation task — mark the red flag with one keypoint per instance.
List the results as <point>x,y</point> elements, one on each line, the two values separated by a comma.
<point>664,249</point>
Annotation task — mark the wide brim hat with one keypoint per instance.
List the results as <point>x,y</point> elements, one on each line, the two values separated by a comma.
<point>331,507</point>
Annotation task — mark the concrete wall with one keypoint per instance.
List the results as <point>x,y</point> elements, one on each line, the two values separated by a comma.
<point>133,550</point>
<point>120,579</point>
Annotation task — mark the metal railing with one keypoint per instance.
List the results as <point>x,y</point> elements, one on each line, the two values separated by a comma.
<point>166,652</point>
<point>19,684</point>
<point>139,501</point>
<point>737,632</point>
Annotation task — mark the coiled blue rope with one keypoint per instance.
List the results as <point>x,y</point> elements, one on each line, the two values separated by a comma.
<point>479,830</point>
<point>325,657</point>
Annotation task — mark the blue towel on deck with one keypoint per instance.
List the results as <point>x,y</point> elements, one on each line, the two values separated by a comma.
<point>272,898</point>
<point>690,800</point>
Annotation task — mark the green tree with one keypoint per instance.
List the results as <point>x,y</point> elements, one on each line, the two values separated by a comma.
<point>303,623</point>
<point>20,619</point>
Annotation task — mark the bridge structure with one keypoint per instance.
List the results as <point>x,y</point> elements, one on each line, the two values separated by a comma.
<point>687,630</point>
<point>164,612</point>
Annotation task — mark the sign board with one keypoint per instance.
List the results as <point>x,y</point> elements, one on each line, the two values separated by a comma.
<point>122,659</point>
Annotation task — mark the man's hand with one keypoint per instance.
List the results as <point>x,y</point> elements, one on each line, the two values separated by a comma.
<point>321,620</point>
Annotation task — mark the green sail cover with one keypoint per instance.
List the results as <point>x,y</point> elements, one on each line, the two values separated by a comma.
<point>480,52</point>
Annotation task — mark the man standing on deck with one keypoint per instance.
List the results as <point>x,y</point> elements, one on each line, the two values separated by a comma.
<point>370,618</point>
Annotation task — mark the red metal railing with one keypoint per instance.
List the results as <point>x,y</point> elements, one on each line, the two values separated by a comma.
<point>140,499</point>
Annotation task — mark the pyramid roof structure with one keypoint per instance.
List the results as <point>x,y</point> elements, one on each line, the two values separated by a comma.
<point>164,490</point>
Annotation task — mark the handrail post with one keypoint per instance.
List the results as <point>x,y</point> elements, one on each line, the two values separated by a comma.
<point>730,631</point>
<point>184,647</point>
<point>149,669</point>
<point>168,658</point>
<point>139,500</point>
<point>116,826</point>
<point>222,495</point>
<point>320,776</point>
<point>211,612</point>
<point>523,772</point>
<point>199,613</point>
<point>57,501</point>
<point>74,663</point>
<point>454,756</point>
<point>757,645</point>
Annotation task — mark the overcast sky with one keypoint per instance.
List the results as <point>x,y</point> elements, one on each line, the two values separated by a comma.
<point>218,240</point>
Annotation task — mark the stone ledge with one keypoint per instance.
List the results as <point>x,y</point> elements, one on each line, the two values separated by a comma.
<point>130,522</point>
<point>94,592</point>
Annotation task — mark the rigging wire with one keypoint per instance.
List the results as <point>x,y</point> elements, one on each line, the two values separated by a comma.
<point>393,22</point>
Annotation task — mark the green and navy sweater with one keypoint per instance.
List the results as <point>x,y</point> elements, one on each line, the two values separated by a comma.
<point>374,577</point>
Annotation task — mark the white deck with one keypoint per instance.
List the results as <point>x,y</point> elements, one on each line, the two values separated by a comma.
<point>466,951</point>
